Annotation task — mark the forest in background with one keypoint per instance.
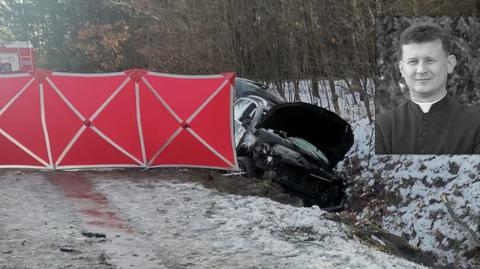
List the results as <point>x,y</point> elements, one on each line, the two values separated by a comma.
<point>269,40</point>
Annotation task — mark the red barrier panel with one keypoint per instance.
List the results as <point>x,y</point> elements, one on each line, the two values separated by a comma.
<point>126,119</point>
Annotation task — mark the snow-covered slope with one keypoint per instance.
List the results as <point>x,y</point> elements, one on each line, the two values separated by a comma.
<point>404,197</point>
<point>402,193</point>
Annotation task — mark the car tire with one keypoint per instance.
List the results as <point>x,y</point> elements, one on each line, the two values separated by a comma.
<point>246,165</point>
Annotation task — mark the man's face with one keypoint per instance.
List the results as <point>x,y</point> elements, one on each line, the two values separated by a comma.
<point>425,66</point>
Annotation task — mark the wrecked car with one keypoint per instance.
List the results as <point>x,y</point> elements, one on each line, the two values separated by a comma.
<point>295,144</point>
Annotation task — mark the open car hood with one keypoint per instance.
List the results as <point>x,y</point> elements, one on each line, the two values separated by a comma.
<point>324,129</point>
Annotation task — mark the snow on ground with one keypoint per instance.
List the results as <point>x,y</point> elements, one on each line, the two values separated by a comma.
<point>194,227</point>
<point>404,191</point>
<point>183,225</point>
<point>173,225</point>
<point>38,229</point>
<point>177,225</point>
<point>404,196</point>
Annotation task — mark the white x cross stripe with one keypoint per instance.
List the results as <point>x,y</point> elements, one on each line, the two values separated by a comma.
<point>12,139</point>
<point>188,121</point>
<point>93,117</point>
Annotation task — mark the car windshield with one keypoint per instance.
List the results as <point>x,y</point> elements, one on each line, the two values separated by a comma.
<point>309,148</point>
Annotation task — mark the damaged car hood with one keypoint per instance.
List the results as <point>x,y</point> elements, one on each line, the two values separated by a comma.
<point>322,128</point>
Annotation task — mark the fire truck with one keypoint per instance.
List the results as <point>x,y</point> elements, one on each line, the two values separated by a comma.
<point>16,56</point>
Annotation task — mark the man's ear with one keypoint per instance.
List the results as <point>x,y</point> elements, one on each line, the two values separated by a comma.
<point>400,66</point>
<point>451,63</point>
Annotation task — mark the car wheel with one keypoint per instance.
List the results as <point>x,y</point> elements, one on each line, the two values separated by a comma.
<point>246,165</point>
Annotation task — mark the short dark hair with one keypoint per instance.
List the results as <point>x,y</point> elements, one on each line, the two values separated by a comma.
<point>422,33</point>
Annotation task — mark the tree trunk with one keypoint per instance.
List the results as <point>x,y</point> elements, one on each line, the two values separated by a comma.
<point>366,99</point>
<point>315,91</point>
<point>334,96</point>
<point>326,94</point>
<point>280,88</point>
<point>351,89</point>
<point>296,89</point>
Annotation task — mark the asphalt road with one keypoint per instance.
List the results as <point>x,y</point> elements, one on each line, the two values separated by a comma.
<point>167,219</point>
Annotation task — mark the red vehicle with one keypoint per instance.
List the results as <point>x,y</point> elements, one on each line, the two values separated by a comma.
<point>16,57</point>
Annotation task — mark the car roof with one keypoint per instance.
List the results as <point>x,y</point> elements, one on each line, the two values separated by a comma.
<point>245,87</point>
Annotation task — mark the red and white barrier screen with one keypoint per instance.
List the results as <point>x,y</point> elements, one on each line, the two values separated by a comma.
<point>134,118</point>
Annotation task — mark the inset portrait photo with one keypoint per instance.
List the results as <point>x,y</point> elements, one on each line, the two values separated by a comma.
<point>427,85</point>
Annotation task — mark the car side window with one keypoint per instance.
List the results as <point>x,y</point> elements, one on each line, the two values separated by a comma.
<point>239,108</point>
<point>244,110</point>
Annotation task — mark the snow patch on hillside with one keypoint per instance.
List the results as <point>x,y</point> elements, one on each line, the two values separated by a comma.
<point>411,186</point>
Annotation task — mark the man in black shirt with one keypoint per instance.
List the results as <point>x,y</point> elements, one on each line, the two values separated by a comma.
<point>430,122</point>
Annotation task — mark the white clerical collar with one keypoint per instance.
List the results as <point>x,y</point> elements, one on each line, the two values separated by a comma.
<point>425,107</point>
